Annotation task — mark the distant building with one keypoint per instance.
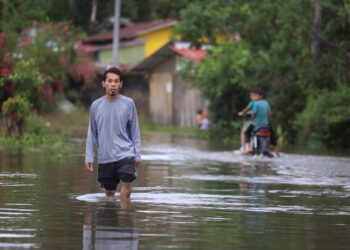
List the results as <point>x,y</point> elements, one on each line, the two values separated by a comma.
<point>150,61</point>
<point>137,41</point>
<point>172,101</point>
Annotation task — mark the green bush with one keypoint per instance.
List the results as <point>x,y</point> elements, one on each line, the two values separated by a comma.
<point>268,46</point>
<point>15,110</point>
<point>27,78</point>
<point>17,106</point>
<point>326,118</point>
<point>39,135</point>
<point>36,125</point>
<point>221,77</point>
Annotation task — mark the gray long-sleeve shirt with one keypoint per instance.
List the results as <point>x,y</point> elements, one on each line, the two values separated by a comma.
<point>113,130</point>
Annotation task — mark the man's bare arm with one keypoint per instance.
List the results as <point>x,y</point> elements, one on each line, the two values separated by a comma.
<point>244,111</point>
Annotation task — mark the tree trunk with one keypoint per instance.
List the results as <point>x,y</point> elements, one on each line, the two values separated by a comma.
<point>14,125</point>
<point>72,5</point>
<point>316,29</point>
<point>93,14</point>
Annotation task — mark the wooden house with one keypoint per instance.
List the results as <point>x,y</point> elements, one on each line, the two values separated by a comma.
<point>172,101</point>
<point>150,61</point>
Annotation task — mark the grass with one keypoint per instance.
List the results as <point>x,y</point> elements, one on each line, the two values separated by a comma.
<point>53,132</point>
<point>76,123</point>
<point>39,135</point>
<point>52,143</point>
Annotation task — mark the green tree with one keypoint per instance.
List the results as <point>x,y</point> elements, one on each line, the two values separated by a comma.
<point>147,10</point>
<point>28,80</point>
<point>281,59</point>
<point>221,77</point>
<point>21,13</point>
<point>35,61</point>
<point>79,12</point>
<point>326,115</point>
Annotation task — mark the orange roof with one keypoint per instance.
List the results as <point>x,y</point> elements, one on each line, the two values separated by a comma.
<point>194,55</point>
<point>170,49</point>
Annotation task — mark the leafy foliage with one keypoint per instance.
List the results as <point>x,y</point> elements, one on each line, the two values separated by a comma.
<point>36,58</point>
<point>78,12</point>
<point>277,57</point>
<point>27,78</point>
<point>15,111</point>
<point>221,78</point>
<point>17,106</point>
<point>327,115</point>
<point>39,135</point>
<point>39,61</point>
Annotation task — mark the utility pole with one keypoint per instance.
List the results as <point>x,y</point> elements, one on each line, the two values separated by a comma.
<point>115,52</point>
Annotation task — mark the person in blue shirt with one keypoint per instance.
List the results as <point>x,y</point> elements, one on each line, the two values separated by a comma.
<point>260,116</point>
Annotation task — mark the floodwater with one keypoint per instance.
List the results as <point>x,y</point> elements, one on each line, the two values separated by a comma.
<point>186,197</point>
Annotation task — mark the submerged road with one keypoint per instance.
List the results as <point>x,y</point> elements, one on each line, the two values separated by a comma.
<point>185,197</point>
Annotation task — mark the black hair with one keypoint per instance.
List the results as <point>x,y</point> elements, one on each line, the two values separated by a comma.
<point>257,91</point>
<point>113,70</point>
<point>199,111</point>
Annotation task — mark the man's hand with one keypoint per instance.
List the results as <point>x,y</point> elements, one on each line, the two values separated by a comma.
<point>240,113</point>
<point>137,163</point>
<point>89,166</point>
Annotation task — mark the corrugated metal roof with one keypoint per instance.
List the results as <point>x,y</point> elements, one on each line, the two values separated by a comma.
<point>133,30</point>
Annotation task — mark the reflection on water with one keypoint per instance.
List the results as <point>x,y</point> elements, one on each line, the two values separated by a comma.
<point>110,225</point>
<point>185,197</point>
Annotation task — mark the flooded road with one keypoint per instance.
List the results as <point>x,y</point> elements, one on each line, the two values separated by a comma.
<point>185,197</point>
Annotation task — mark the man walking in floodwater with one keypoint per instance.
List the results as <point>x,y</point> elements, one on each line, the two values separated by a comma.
<point>114,132</point>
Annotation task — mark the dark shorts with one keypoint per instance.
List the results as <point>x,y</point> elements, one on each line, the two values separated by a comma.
<point>248,132</point>
<point>110,174</point>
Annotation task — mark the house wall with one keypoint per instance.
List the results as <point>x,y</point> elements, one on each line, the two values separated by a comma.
<point>172,101</point>
<point>104,56</point>
<point>187,100</point>
<point>155,40</point>
<point>127,55</point>
<point>161,101</point>
<point>137,88</point>
<point>161,93</point>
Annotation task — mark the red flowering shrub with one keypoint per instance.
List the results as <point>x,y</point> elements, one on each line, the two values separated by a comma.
<point>53,51</point>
